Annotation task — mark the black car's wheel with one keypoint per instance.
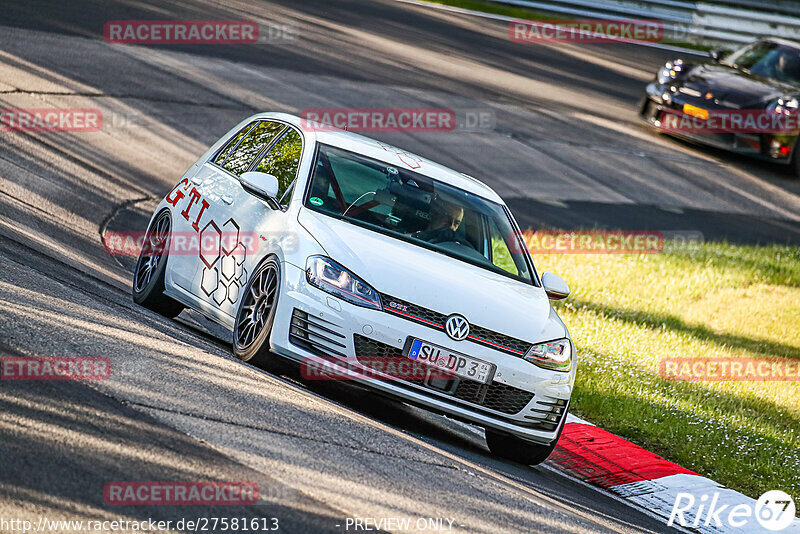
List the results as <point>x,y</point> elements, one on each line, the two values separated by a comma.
<point>256,312</point>
<point>519,450</point>
<point>148,276</point>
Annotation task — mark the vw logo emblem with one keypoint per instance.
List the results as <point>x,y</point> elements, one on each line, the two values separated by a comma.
<point>457,327</point>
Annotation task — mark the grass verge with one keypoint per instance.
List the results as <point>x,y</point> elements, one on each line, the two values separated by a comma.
<point>628,312</point>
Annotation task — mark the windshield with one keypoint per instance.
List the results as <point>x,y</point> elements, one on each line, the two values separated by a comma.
<point>768,59</point>
<point>417,209</point>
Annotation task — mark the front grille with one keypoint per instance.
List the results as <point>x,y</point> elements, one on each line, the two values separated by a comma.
<point>413,312</point>
<point>434,319</point>
<point>505,398</point>
<point>494,396</point>
<point>496,338</point>
<point>384,358</point>
<point>316,335</point>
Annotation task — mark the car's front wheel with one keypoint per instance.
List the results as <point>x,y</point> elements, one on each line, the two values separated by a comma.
<point>256,312</point>
<point>519,450</point>
<point>148,276</point>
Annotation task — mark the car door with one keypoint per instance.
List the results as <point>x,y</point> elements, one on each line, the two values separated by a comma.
<point>217,185</point>
<point>194,206</point>
<point>240,218</point>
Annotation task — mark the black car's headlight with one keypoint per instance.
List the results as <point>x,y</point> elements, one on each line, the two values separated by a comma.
<point>670,71</point>
<point>786,105</point>
<point>327,275</point>
<point>555,355</point>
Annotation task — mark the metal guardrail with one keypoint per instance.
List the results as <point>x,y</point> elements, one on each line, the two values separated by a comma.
<point>783,7</point>
<point>731,23</point>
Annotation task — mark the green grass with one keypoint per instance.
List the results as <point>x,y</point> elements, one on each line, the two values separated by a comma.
<point>628,312</point>
<point>499,9</point>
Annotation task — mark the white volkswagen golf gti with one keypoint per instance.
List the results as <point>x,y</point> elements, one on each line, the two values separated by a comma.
<point>364,261</point>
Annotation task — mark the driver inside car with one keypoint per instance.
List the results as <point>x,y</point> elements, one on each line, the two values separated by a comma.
<point>445,218</point>
<point>788,67</point>
<point>779,64</point>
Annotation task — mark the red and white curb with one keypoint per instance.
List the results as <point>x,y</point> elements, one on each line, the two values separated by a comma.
<point>600,458</point>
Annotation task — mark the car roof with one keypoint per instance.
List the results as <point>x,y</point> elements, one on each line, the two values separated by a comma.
<point>386,153</point>
<point>780,40</point>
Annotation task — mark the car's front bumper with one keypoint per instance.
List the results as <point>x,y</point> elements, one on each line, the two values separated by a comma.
<point>323,332</point>
<point>653,108</point>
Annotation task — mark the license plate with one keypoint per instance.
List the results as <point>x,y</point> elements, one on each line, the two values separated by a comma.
<point>451,362</point>
<point>694,111</point>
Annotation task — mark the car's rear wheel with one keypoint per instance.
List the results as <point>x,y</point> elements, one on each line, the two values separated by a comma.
<point>519,450</point>
<point>148,276</point>
<point>256,312</point>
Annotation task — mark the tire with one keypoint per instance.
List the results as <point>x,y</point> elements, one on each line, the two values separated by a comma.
<point>256,313</point>
<point>148,276</point>
<point>519,450</point>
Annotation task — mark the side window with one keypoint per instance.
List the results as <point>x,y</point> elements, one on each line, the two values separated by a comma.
<point>501,254</point>
<point>282,161</point>
<point>251,145</point>
<point>226,150</point>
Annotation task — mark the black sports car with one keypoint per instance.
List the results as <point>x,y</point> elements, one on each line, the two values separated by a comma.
<point>745,101</point>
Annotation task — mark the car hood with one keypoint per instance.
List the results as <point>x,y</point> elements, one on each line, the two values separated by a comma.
<point>734,88</point>
<point>435,281</point>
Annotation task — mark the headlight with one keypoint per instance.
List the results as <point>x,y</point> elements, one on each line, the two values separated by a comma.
<point>784,106</point>
<point>329,276</point>
<point>670,71</point>
<point>665,75</point>
<point>555,355</point>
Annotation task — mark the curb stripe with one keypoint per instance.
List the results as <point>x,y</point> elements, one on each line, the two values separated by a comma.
<point>601,458</point>
<point>646,480</point>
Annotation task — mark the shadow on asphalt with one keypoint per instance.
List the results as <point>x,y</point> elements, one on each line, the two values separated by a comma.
<point>736,228</point>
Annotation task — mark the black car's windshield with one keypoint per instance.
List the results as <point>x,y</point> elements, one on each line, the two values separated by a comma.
<point>770,60</point>
<point>409,206</point>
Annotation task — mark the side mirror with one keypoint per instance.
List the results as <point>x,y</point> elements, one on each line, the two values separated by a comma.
<point>717,54</point>
<point>261,183</point>
<point>555,286</point>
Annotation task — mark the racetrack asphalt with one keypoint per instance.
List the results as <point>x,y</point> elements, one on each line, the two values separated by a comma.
<point>564,147</point>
